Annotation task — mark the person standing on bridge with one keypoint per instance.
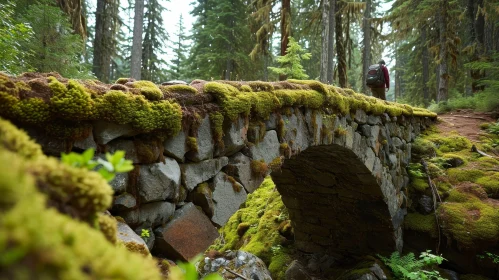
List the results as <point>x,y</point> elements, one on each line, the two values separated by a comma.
<point>378,79</point>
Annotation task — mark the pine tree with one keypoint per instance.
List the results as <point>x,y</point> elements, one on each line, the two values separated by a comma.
<point>136,55</point>
<point>290,63</point>
<point>54,45</point>
<point>221,40</point>
<point>177,64</point>
<point>153,48</point>
<point>12,35</point>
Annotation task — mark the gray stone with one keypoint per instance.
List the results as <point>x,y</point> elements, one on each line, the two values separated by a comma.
<point>242,263</point>
<point>349,138</point>
<point>159,181</point>
<point>397,143</point>
<point>314,124</point>
<point>425,205</point>
<point>205,144</point>
<point>188,234</point>
<point>228,196</point>
<point>87,143</point>
<point>296,133</point>
<point>175,146</point>
<point>369,160</point>
<point>149,215</point>
<point>202,196</point>
<point>239,167</point>
<point>360,116</point>
<point>235,136</point>
<point>255,133</point>
<point>268,149</point>
<point>296,271</point>
<point>119,183</point>
<point>195,173</point>
<point>124,201</point>
<point>105,132</point>
<point>271,123</point>
<point>173,82</point>
<point>398,219</point>
<point>373,120</point>
<point>124,145</point>
<point>127,235</point>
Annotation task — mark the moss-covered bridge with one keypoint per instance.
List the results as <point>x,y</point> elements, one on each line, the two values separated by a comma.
<point>338,158</point>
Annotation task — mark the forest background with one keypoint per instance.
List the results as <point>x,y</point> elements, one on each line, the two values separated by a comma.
<point>441,53</point>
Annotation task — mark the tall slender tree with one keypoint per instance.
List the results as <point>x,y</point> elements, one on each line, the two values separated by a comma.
<point>179,50</point>
<point>106,29</point>
<point>153,46</point>
<point>366,51</point>
<point>136,56</point>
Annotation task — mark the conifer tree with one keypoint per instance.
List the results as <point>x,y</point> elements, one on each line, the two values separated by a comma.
<point>177,64</point>
<point>290,63</point>
<point>153,48</point>
<point>54,45</point>
<point>106,30</point>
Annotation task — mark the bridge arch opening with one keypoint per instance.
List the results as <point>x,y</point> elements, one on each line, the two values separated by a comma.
<point>336,205</point>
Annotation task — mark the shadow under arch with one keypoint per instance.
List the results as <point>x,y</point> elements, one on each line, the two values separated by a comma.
<point>336,204</point>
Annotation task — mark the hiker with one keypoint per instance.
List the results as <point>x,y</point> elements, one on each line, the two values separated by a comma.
<point>378,79</point>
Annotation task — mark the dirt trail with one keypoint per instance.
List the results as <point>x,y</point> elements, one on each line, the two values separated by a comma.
<point>465,122</point>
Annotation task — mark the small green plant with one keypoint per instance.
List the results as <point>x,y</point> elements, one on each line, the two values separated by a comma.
<point>188,271</point>
<point>416,170</point>
<point>340,131</point>
<point>144,234</point>
<point>492,256</point>
<point>410,267</point>
<point>493,129</point>
<point>107,168</point>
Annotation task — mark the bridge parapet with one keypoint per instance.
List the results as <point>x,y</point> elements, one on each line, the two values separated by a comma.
<point>338,158</point>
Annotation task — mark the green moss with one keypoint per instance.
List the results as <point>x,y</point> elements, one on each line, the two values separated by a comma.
<point>259,167</point>
<point>276,164</point>
<point>488,162</point>
<point>229,97</point>
<point>340,131</point>
<point>56,246</point>
<point>421,223</point>
<point>71,102</point>
<point>423,147</point>
<point>452,143</point>
<point>261,236</point>
<point>465,175</point>
<point>137,248</point>
<point>122,81</point>
<point>18,141</point>
<point>490,183</point>
<point>148,89</point>
<point>419,184</point>
<point>186,89</point>
<point>470,221</point>
<point>246,88</point>
<point>242,228</point>
<point>217,121</point>
<point>192,143</point>
<point>31,111</point>
<point>107,225</point>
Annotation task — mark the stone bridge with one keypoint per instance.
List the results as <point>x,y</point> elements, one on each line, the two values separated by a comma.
<point>338,158</point>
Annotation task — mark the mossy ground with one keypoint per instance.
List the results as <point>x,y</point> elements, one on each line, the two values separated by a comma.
<point>469,213</point>
<point>39,242</point>
<point>255,229</point>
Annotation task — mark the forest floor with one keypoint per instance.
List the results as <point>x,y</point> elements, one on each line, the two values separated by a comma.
<point>465,122</point>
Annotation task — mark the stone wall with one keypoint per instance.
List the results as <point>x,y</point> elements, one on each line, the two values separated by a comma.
<point>342,178</point>
<point>337,157</point>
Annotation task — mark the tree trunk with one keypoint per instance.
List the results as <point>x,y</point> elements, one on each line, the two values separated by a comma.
<point>74,8</point>
<point>330,38</point>
<point>366,53</point>
<point>285,29</point>
<point>477,36</point>
<point>104,43</point>
<point>138,23</point>
<point>325,46</point>
<point>443,90</point>
<point>426,66</point>
<point>340,48</point>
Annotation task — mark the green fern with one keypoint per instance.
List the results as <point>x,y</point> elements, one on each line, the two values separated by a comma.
<point>410,267</point>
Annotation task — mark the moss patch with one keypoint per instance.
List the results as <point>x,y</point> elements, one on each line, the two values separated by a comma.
<point>421,223</point>
<point>255,229</point>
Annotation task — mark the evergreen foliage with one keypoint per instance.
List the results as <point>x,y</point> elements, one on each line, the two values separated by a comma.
<point>155,36</point>
<point>177,64</point>
<point>12,34</point>
<point>290,64</point>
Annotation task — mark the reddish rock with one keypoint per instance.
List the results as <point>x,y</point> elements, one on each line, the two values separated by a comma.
<point>189,233</point>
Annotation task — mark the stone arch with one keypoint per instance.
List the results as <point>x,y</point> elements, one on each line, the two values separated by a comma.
<point>337,205</point>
